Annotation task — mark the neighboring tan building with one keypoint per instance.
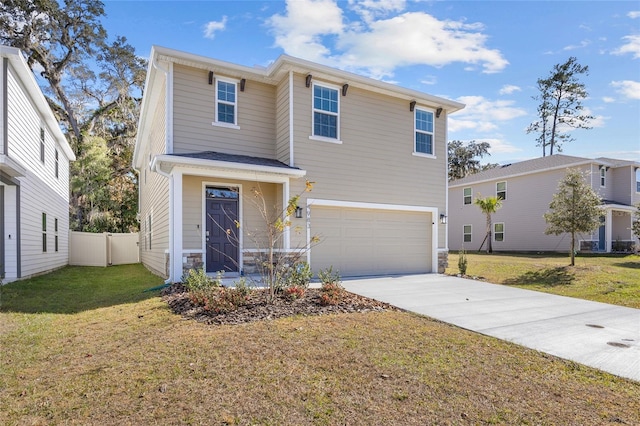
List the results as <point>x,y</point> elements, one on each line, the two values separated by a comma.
<point>527,188</point>
<point>211,131</point>
<point>34,175</point>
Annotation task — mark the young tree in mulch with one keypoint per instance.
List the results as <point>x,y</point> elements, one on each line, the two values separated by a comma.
<point>575,208</point>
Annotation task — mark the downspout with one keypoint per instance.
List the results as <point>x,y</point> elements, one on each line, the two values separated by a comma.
<point>291,158</point>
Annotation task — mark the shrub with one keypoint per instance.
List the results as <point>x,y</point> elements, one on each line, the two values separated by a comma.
<point>327,276</point>
<point>226,299</point>
<point>299,275</point>
<point>197,279</point>
<point>294,292</point>
<point>332,293</point>
<point>462,262</point>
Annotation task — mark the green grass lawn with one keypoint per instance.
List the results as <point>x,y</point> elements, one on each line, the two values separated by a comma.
<point>611,279</point>
<point>89,346</point>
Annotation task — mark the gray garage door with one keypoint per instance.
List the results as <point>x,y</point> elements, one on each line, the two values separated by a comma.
<point>361,242</point>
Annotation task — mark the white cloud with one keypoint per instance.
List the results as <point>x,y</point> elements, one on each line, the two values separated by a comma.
<point>608,99</point>
<point>634,14</point>
<point>300,31</point>
<point>429,80</point>
<point>211,27</point>
<point>628,88</point>
<point>377,46</point>
<point>582,44</point>
<point>482,109</point>
<point>508,89</point>
<point>499,146</point>
<point>632,46</point>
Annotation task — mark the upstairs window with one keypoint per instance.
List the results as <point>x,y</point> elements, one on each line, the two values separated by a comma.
<point>638,180</point>
<point>326,112</point>
<point>603,176</point>
<point>57,169</point>
<point>501,190</point>
<point>424,132</point>
<point>226,103</point>
<point>55,229</point>
<point>42,144</point>
<point>44,232</point>
<point>467,195</point>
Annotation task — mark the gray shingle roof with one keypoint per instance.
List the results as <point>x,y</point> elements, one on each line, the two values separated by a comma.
<point>233,158</point>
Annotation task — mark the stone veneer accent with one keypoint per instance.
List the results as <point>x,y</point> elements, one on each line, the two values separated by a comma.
<point>251,258</point>
<point>194,261</point>
<point>443,260</point>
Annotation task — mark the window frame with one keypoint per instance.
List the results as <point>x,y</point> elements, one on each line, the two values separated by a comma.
<point>313,135</point>
<point>44,232</point>
<point>219,101</point>
<point>432,133</point>
<point>637,180</point>
<point>55,230</point>
<point>603,177</point>
<point>42,144</point>
<point>57,164</point>
<point>464,196</point>
<point>496,232</point>
<point>464,233</point>
<point>504,197</point>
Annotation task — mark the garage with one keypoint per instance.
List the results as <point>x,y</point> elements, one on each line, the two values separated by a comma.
<point>370,241</point>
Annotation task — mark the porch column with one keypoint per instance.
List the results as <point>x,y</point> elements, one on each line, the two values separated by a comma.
<point>608,225</point>
<point>285,203</point>
<point>176,226</point>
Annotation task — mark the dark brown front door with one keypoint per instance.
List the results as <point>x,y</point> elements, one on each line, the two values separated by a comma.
<point>222,233</point>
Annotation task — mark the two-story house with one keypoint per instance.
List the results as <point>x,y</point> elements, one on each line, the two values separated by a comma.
<point>211,132</point>
<point>526,189</point>
<point>34,175</point>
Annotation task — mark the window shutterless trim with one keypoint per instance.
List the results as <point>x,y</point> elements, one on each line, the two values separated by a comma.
<point>219,102</point>
<point>464,233</point>
<point>499,191</point>
<point>315,110</point>
<point>417,131</point>
<point>496,232</point>
<point>464,196</point>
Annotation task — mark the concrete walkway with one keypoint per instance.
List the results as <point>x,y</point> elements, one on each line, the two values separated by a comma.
<point>599,335</point>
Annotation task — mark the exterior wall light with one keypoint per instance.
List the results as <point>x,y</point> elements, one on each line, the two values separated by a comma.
<point>298,212</point>
<point>443,218</point>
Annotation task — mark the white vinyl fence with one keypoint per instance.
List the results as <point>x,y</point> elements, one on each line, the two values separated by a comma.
<point>88,249</point>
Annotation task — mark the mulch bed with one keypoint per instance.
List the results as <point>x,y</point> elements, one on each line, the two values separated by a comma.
<point>258,308</point>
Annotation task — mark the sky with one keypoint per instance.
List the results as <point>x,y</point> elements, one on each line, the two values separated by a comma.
<point>485,54</point>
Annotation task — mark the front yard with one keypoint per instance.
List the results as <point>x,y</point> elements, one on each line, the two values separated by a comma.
<point>92,356</point>
<point>611,279</point>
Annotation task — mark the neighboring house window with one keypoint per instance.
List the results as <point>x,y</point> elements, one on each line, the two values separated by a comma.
<point>57,164</point>
<point>466,234</point>
<point>603,176</point>
<point>42,144</point>
<point>326,112</point>
<point>498,231</point>
<point>467,195</point>
<point>55,229</point>
<point>638,180</point>
<point>149,231</point>
<point>226,102</point>
<point>424,131</point>
<point>501,190</point>
<point>44,232</point>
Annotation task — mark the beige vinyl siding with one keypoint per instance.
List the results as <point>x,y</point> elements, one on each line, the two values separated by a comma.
<point>40,191</point>
<point>194,113</point>
<point>623,181</point>
<point>282,122</point>
<point>528,198</point>
<point>375,162</point>
<point>154,196</point>
<point>252,223</point>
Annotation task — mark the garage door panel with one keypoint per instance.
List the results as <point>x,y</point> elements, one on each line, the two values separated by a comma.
<point>371,242</point>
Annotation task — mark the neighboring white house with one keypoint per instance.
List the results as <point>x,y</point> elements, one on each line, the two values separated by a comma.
<point>526,189</point>
<point>210,131</point>
<point>34,175</point>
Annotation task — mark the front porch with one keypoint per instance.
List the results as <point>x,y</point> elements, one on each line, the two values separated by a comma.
<point>614,234</point>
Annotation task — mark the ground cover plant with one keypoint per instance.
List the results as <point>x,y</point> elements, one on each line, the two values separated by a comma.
<point>136,362</point>
<point>611,278</point>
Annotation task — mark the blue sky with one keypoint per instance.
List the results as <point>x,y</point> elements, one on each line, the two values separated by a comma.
<point>486,54</point>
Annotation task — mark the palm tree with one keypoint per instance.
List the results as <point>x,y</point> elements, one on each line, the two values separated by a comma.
<point>488,206</point>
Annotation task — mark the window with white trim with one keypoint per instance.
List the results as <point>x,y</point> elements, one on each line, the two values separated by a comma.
<point>424,132</point>
<point>57,164</point>
<point>44,232</point>
<point>55,229</point>
<point>603,176</point>
<point>326,112</point>
<point>226,102</point>
<point>501,190</point>
<point>466,233</point>
<point>467,195</point>
<point>498,232</point>
<point>638,180</point>
<point>149,233</point>
<point>42,144</point>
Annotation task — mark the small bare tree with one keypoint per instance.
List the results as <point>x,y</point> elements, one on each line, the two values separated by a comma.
<point>272,260</point>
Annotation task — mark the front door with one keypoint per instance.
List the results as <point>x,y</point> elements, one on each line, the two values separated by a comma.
<point>222,231</point>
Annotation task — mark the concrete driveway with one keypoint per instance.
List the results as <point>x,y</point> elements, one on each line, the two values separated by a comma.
<point>599,335</point>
